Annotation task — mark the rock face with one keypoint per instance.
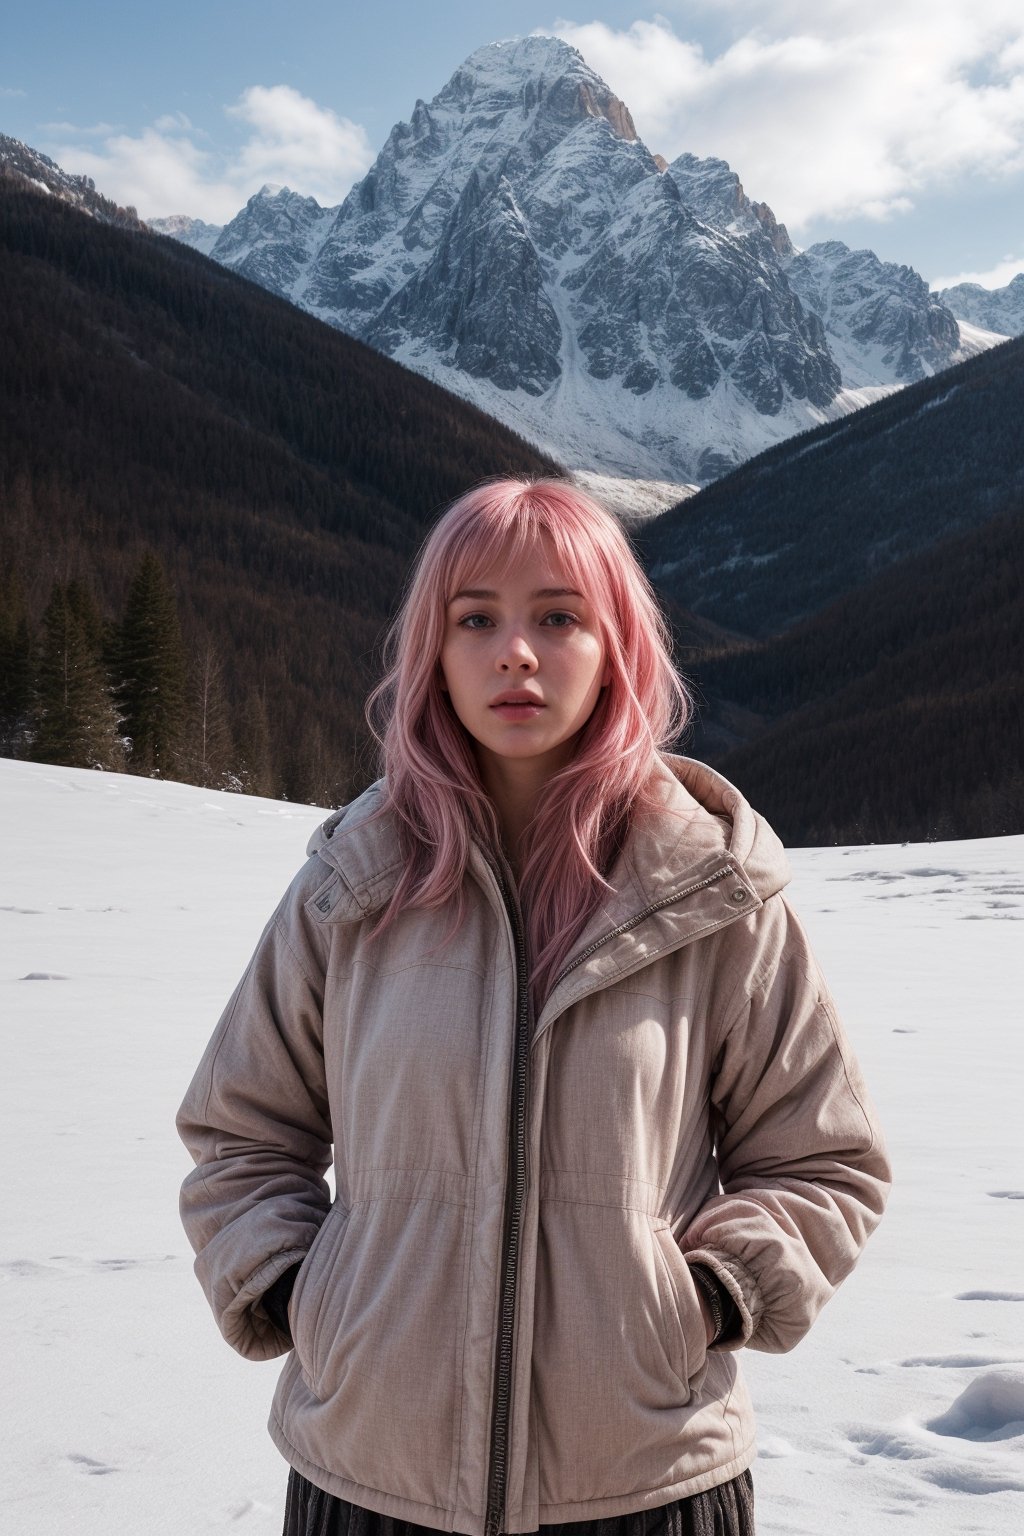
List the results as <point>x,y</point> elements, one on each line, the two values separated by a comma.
<point>268,240</point>
<point>714,192</point>
<point>39,171</point>
<point>992,309</point>
<point>516,242</point>
<point>883,323</point>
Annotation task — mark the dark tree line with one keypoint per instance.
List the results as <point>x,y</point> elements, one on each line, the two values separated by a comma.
<point>124,694</point>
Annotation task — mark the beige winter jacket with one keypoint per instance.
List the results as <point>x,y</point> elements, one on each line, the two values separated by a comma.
<point>495,1326</point>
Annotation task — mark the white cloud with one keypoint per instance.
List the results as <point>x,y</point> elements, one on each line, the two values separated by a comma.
<point>172,167</point>
<point>828,108</point>
<point>11,90</point>
<point>296,142</point>
<point>996,277</point>
<point>97,130</point>
<point>173,122</point>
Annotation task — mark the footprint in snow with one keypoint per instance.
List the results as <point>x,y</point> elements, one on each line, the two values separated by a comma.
<point>989,1296</point>
<point>956,1362</point>
<point>1005,1194</point>
<point>43,976</point>
<point>894,1443</point>
<point>75,1264</point>
<point>88,1465</point>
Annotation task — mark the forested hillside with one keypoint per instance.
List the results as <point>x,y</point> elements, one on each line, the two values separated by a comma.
<point>280,474</point>
<point>826,512</point>
<point>895,713</point>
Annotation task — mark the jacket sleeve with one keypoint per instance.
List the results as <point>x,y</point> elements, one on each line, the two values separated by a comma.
<point>256,1120</point>
<point>802,1165</point>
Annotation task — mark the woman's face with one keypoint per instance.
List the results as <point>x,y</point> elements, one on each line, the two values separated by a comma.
<point>524,629</point>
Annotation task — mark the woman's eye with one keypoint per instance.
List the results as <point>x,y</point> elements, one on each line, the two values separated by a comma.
<point>569,617</point>
<point>466,622</point>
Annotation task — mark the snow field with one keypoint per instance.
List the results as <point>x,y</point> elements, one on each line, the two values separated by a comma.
<point>128,910</point>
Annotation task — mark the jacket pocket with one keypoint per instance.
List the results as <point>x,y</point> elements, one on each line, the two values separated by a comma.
<point>685,1334</point>
<point>311,1284</point>
<point>609,1359</point>
<point>384,1346</point>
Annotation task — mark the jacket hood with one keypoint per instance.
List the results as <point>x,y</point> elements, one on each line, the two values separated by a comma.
<point>700,820</point>
<point>725,821</point>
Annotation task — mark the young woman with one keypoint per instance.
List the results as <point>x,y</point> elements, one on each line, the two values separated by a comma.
<point>595,1125</point>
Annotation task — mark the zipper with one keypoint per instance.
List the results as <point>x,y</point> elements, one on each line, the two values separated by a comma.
<point>516,1184</point>
<point>515,1191</point>
<point>638,917</point>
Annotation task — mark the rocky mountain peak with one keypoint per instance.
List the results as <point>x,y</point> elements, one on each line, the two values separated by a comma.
<point>999,310</point>
<point>882,322</point>
<point>194,232</point>
<point>535,76</point>
<point>714,191</point>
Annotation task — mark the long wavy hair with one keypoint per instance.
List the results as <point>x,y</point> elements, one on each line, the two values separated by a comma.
<point>433,784</point>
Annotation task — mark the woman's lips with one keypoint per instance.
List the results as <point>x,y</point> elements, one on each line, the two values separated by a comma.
<point>517,711</point>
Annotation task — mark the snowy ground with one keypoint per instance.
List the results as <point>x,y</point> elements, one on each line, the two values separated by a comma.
<point>127,912</point>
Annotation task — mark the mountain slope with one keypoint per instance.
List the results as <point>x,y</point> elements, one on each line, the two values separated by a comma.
<point>284,472</point>
<point>20,163</point>
<point>897,712</point>
<point>823,514</point>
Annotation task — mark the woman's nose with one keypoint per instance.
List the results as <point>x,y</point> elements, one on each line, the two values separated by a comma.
<point>516,654</point>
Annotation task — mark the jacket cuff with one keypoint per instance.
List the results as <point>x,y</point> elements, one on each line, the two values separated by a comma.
<point>245,1325</point>
<point>725,1314</point>
<point>743,1290</point>
<point>274,1301</point>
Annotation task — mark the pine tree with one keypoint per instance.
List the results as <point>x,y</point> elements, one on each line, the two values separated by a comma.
<point>75,722</point>
<point>17,672</point>
<point>151,667</point>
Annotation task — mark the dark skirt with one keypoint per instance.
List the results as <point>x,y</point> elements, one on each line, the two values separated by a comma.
<point>727,1510</point>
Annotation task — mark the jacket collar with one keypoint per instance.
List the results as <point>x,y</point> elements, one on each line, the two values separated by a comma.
<point>701,858</point>
<point>700,824</point>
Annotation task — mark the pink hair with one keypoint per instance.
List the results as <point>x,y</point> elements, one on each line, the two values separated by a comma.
<point>433,783</point>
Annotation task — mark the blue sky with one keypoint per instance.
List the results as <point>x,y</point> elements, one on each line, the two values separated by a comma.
<point>897,124</point>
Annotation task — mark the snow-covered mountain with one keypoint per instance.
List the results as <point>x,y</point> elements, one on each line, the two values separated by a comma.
<point>884,327</point>
<point>194,232</point>
<point>516,242</point>
<point>992,309</point>
<point>39,171</point>
<point>883,324</point>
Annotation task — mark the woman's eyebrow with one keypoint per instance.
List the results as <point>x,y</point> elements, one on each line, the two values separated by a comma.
<point>480,593</point>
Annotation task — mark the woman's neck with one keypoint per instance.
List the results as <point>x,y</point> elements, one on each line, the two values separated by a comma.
<point>515,790</point>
